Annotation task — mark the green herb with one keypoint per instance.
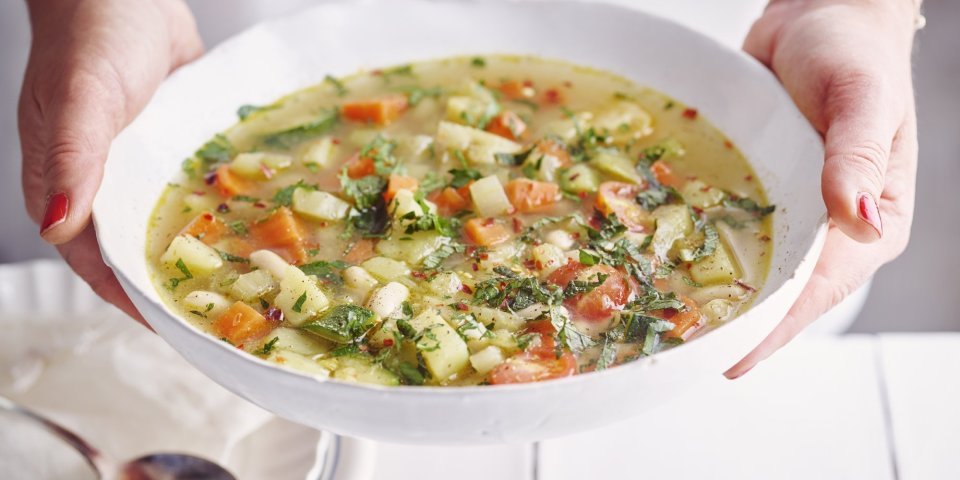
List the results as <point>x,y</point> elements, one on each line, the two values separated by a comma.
<point>515,292</point>
<point>512,160</point>
<point>651,342</point>
<point>410,374</point>
<point>430,182</point>
<point>337,85</point>
<point>523,341</point>
<point>267,347</point>
<point>217,150</point>
<point>244,198</point>
<point>298,305</point>
<point>264,304</point>
<point>238,227</point>
<point>229,257</point>
<point>380,150</point>
<point>589,258</point>
<point>436,258</point>
<point>608,354</point>
<point>567,335</point>
<point>399,71</point>
<point>691,282</point>
<point>415,95</point>
<point>246,110</point>
<point>342,323</point>
<point>478,62</point>
<point>325,271</point>
<point>579,287</point>
<point>711,238</point>
<point>463,176</point>
<point>286,139</point>
<point>284,196</point>
<point>344,350</point>
<point>174,282</point>
<point>528,103</point>
<point>427,221</point>
<point>733,222</point>
<point>748,205</point>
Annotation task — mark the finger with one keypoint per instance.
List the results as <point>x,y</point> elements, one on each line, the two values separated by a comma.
<point>81,121</point>
<point>862,122</point>
<point>83,255</point>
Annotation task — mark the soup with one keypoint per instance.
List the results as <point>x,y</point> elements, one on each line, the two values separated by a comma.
<point>465,221</point>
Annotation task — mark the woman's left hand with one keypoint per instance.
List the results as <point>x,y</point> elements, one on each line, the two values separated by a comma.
<point>847,66</point>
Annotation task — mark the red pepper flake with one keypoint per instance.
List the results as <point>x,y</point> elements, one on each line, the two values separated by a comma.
<point>210,178</point>
<point>574,177</point>
<point>528,83</point>
<point>418,274</point>
<point>240,347</point>
<point>274,314</point>
<point>748,178</point>
<point>553,96</point>
<point>376,73</point>
<point>388,342</point>
<point>487,222</point>
<point>483,256</point>
<point>223,208</point>
<point>466,288</point>
<point>461,306</point>
<point>199,193</point>
<point>267,171</point>
<point>517,225</point>
<point>476,266</point>
<point>728,144</point>
<point>690,113</point>
<point>575,235</point>
<point>568,84</point>
<point>336,141</point>
<point>764,238</point>
<point>582,195</point>
<point>260,205</point>
<point>743,285</point>
<point>529,264</point>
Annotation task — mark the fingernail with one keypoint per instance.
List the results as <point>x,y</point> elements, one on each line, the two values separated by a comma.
<point>741,373</point>
<point>56,211</point>
<point>869,212</point>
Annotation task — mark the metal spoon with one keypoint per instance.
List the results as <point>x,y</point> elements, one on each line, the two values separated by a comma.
<point>157,466</point>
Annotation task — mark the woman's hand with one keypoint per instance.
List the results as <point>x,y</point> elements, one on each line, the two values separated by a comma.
<point>93,66</point>
<point>847,66</point>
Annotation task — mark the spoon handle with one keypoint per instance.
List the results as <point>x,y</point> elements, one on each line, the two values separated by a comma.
<point>91,455</point>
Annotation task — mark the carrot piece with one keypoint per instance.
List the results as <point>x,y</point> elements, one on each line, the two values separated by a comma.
<point>282,233</point>
<point>206,227</point>
<point>686,322</point>
<point>486,232</point>
<point>230,184</point>
<point>360,251</point>
<point>397,183</point>
<point>664,174</point>
<point>507,125</point>
<point>529,195</point>
<point>381,110</point>
<point>555,149</point>
<point>359,167</point>
<point>451,200</point>
<point>241,323</point>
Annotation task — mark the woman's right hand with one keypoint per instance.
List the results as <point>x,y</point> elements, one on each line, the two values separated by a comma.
<point>93,66</point>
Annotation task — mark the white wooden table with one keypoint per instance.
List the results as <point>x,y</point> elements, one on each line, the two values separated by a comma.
<point>853,407</point>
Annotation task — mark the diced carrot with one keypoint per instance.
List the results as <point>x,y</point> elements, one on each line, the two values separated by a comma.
<point>359,167</point>
<point>486,232</point>
<point>360,251</point>
<point>380,111</point>
<point>397,183</point>
<point>529,195</point>
<point>230,184</point>
<point>206,227</point>
<point>507,125</point>
<point>664,174</point>
<point>513,89</point>
<point>451,200</point>
<point>555,149</point>
<point>282,233</point>
<point>686,322</point>
<point>240,324</point>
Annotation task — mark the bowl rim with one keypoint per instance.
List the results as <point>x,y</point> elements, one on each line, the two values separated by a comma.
<point>744,62</point>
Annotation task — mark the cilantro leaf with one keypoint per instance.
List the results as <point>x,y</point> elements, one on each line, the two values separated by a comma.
<point>286,139</point>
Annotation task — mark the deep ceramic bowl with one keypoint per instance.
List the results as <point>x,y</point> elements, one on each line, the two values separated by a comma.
<point>733,91</point>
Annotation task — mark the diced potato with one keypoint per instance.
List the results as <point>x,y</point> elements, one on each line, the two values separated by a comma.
<point>387,332</point>
<point>269,261</point>
<point>721,267</point>
<point>200,202</point>
<point>319,205</point>
<point>717,311</point>
<point>560,238</point>
<point>465,110</point>
<point>548,257</point>
<point>358,279</point>
<point>405,202</point>
<point>486,359</point>
<point>501,320</point>
<point>411,248</point>
<point>297,362</point>
<point>616,166</point>
<point>701,195</point>
<point>386,269</point>
<point>623,120</point>
<point>252,164</point>
<point>442,349</point>
<point>412,147</point>
<point>489,198</point>
<point>362,136</point>
<point>252,285</point>
<point>479,147</point>
<point>319,152</point>
<point>300,298</point>
<point>446,284</point>
<point>387,299</point>
<point>208,303</point>
<point>197,256</point>
<point>673,223</point>
<point>293,340</point>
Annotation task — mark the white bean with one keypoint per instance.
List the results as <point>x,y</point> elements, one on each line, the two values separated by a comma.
<point>270,262</point>
<point>388,298</point>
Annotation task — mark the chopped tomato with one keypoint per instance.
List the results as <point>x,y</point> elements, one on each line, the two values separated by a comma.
<point>553,96</point>
<point>620,198</point>
<point>538,362</point>
<point>241,323</point>
<point>282,233</point>
<point>361,250</point>
<point>206,227</point>
<point>529,195</point>
<point>600,303</point>
<point>359,167</point>
<point>451,200</point>
<point>380,111</point>
<point>230,184</point>
<point>486,232</point>
<point>685,323</point>
<point>664,174</point>
<point>507,125</point>
<point>397,183</point>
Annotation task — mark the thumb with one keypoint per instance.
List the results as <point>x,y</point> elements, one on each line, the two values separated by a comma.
<point>79,125</point>
<point>861,126</point>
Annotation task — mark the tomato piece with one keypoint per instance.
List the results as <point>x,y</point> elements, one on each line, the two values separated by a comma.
<point>600,303</point>
<point>206,227</point>
<point>537,363</point>
<point>620,198</point>
<point>685,323</point>
<point>381,111</point>
<point>529,195</point>
<point>507,125</point>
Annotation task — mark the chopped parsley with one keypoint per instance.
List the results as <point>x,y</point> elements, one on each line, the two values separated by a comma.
<point>298,305</point>
<point>174,282</point>
<point>267,347</point>
<point>338,86</point>
<point>285,139</point>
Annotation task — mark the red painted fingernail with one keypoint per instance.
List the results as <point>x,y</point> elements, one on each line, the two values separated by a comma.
<point>56,212</point>
<point>869,212</point>
<point>742,373</point>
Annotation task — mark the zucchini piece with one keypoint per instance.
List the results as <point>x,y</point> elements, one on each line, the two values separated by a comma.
<point>385,269</point>
<point>197,256</point>
<point>480,147</point>
<point>411,248</point>
<point>720,267</point>
<point>319,153</point>
<point>698,194</point>
<point>252,285</point>
<point>486,359</point>
<point>362,369</point>
<point>342,324</point>
<point>446,284</point>
<point>617,167</point>
<point>318,205</point>
<point>252,164</point>
<point>441,347</point>
<point>298,362</point>
<point>579,178</point>
<point>673,223</point>
<point>293,340</point>
<point>624,121</point>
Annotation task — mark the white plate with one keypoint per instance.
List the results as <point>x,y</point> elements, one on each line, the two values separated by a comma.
<point>730,89</point>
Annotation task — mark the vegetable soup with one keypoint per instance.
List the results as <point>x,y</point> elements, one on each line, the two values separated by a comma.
<point>465,221</point>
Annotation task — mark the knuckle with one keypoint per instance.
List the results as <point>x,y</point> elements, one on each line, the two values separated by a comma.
<point>867,159</point>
